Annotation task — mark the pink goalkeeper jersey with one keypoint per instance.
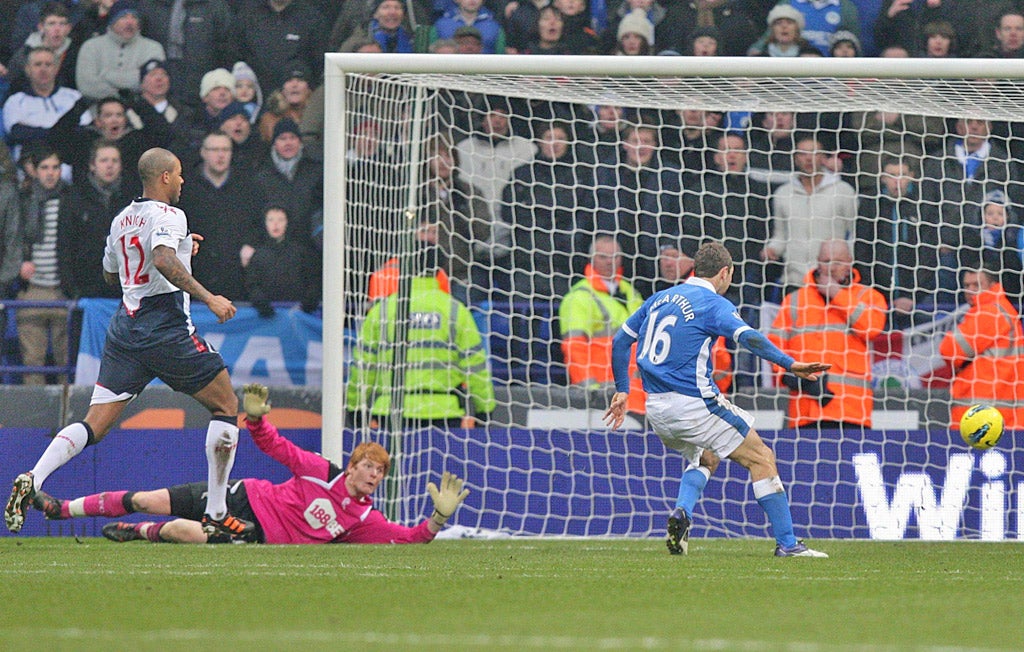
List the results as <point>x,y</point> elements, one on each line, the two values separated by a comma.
<point>314,506</point>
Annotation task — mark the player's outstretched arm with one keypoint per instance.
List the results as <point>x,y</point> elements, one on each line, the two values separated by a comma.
<point>254,401</point>
<point>809,370</point>
<point>166,261</point>
<point>446,499</point>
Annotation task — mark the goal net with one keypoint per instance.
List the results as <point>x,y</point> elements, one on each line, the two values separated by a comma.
<point>528,174</point>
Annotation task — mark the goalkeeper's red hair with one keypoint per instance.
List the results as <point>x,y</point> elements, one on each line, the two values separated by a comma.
<point>372,451</point>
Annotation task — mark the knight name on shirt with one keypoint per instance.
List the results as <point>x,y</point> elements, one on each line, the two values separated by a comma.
<point>132,220</point>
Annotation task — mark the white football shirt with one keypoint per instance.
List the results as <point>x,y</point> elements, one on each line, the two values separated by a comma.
<point>135,232</point>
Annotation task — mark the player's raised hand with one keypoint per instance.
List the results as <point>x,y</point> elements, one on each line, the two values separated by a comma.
<point>196,239</point>
<point>447,498</point>
<point>809,370</point>
<point>222,307</point>
<point>616,412</point>
<point>254,401</point>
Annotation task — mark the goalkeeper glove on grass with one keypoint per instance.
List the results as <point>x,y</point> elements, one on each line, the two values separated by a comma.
<point>446,499</point>
<point>254,401</point>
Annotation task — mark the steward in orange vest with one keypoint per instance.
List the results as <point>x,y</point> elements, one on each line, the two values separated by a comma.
<point>835,318</point>
<point>986,350</point>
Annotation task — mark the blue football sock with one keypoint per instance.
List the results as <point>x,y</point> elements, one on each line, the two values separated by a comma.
<point>690,487</point>
<point>776,507</point>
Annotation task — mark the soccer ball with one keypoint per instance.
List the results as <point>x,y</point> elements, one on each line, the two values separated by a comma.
<point>981,426</point>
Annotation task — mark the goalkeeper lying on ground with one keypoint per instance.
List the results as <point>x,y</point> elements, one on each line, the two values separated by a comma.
<point>319,504</point>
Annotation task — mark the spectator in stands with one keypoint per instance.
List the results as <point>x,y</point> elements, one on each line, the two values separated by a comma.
<point>492,152</point>
<point>110,121</point>
<point>249,150</point>
<point>634,35</point>
<point>578,31</point>
<point>550,32</point>
<point>216,92</point>
<point>293,180</point>
<point>10,234</point>
<point>608,126</point>
<point>815,207</point>
<point>279,512</point>
<point>785,34</point>
<point>836,317</point>
<point>110,62</point>
<point>224,205</point>
<point>471,13</point>
<point>874,135</point>
<point>52,32</point>
<point>356,15</point>
<point>736,23</point>
<point>389,27</point>
<point>984,353</point>
<point>281,269</point>
<point>30,114</point>
<point>897,252</point>
<point>731,208</point>
<point>703,42</point>
<point>97,198</point>
<point>197,36</point>
<point>155,87</point>
<point>289,101</point>
<point>901,22</point>
<point>521,26</point>
<point>664,31</point>
<point>844,43</point>
<point>894,52</point>
<point>385,279</point>
<point>1000,240</point>
<point>820,20</point>
<point>550,205</point>
<point>1009,36</point>
<point>590,314</point>
<point>469,40</point>
<point>45,212</point>
<point>638,201</point>
<point>444,341</point>
<point>771,147</point>
<point>248,90</point>
<point>691,145</point>
<point>954,181</point>
<point>939,40</point>
<point>26,21</point>
<point>275,36</point>
<point>93,21</point>
<point>465,223</point>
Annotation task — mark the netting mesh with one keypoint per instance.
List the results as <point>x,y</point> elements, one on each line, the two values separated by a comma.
<point>519,179</point>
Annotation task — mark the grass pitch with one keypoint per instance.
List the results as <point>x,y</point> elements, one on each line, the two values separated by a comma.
<point>582,594</point>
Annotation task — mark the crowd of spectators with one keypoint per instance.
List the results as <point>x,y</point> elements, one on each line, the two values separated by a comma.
<point>234,88</point>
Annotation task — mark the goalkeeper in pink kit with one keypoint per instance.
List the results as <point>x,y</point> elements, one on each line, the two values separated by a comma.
<point>320,503</point>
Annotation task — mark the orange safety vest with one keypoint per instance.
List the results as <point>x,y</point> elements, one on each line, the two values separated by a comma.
<point>384,281</point>
<point>836,332</point>
<point>987,352</point>
<point>589,318</point>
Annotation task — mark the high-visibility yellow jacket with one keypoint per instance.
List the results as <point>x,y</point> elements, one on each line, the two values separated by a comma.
<point>987,352</point>
<point>444,354</point>
<point>837,332</point>
<point>589,317</point>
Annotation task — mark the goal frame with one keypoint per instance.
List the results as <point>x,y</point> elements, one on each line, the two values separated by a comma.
<point>337,65</point>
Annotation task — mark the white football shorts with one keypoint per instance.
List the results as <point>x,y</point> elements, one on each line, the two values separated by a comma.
<point>690,424</point>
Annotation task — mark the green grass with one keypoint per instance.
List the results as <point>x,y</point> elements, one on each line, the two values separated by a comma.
<point>583,594</point>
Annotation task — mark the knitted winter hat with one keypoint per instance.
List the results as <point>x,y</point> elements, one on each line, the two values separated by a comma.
<point>787,11</point>
<point>636,22</point>
<point>215,79</point>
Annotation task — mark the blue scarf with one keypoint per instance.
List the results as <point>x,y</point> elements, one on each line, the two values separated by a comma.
<point>397,41</point>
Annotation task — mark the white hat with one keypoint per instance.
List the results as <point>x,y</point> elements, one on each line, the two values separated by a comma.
<point>214,79</point>
<point>786,11</point>
<point>636,22</point>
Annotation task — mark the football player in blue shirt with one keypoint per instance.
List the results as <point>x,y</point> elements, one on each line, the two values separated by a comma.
<point>674,331</point>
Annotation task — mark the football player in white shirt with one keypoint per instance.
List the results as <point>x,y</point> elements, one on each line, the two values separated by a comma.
<point>149,253</point>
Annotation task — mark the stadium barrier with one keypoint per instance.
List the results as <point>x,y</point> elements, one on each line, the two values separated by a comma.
<point>882,485</point>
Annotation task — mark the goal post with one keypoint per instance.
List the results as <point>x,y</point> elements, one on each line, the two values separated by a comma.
<point>384,114</point>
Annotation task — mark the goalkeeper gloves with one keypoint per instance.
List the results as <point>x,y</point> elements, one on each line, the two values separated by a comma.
<point>446,499</point>
<point>254,401</point>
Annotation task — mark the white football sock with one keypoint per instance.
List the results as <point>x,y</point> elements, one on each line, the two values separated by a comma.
<point>67,443</point>
<point>221,442</point>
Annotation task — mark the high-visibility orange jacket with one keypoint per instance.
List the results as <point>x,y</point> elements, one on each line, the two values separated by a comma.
<point>384,281</point>
<point>589,318</point>
<point>987,352</point>
<point>837,332</point>
<point>721,365</point>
